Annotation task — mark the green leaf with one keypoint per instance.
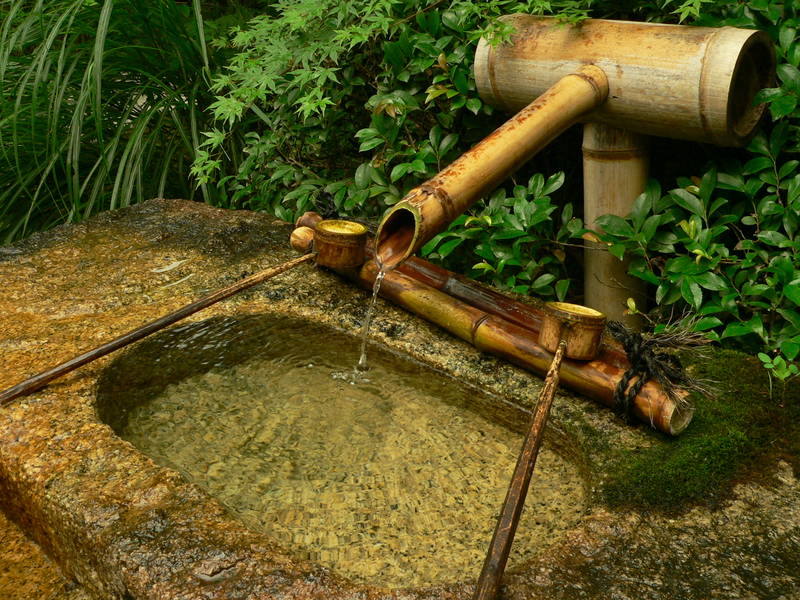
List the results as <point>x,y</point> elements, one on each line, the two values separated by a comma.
<point>369,132</point>
<point>615,225</point>
<point>792,291</point>
<point>641,206</point>
<point>448,247</point>
<point>543,281</point>
<point>362,176</point>
<point>773,238</point>
<point>759,145</point>
<point>617,250</point>
<point>692,293</point>
<point>688,201</point>
<point>782,106</point>
<point>370,144</point>
<point>789,75</point>
<point>737,330</point>
<point>561,289</point>
<point>399,171</point>
<point>474,105</point>
<point>707,323</point>
<point>553,183</point>
<point>711,281</point>
<point>449,141</point>
<point>786,35</point>
<point>790,349</point>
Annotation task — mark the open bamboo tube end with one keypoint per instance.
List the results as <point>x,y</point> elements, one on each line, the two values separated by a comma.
<point>431,207</point>
<point>397,235</point>
<point>663,413</point>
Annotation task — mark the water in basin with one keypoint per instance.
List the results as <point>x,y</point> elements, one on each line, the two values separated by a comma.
<point>395,480</point>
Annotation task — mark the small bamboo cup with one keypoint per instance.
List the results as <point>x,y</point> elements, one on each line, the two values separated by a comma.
<point>579,326</point>
<point>340,244</point>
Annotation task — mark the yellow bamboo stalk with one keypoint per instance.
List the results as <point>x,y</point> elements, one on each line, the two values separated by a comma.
<point>614,174</point>
<point>429,208</point>
<point>694,83</point>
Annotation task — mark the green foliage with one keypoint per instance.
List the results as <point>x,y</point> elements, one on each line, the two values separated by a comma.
<point>101,106</point>
<point>345,106</point>
<point>517,238</point>
<point>724,249</point>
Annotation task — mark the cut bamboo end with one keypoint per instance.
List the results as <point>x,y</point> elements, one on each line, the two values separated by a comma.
<point>308,219</point>
<point>302,239</point>
<point>663,413</point>
<point>340,244</point>
<point>397,234</point>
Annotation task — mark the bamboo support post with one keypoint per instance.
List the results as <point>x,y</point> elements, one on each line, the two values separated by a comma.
<point>39,381</point>
<point>614,174</point>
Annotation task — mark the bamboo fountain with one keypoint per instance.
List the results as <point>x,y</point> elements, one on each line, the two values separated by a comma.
<point>624,81</point>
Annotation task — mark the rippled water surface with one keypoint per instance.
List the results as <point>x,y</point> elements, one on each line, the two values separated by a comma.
<point>394,479</point>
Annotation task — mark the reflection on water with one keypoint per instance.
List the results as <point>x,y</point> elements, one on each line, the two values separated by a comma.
<point>392,480</point>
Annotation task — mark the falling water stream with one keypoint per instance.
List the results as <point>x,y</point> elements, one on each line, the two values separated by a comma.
<point>376,287</point>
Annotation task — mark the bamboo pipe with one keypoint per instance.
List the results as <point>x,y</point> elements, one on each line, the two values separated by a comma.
<point>463,288</point>
<point>615,166</point>
<point>429,208</point>
<point>675,81</point>
<point>503,537</point>
<point>40,380</point>
<point>490,333</point>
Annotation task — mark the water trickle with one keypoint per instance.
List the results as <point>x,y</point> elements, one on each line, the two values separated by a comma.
<point>362,360</point>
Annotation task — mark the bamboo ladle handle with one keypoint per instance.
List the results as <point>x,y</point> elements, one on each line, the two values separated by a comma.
<point>500,546</point>
<point>40,380</point>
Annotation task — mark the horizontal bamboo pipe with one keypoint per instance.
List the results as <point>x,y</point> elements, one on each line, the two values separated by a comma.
<point>490,333</point>
<point>39,381</point>
<point>675,81</point>
<point>468,290</point>
<point>492,302</point>
<point>429,208</point>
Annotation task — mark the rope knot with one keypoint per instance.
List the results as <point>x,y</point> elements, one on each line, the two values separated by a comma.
<point>650,359</point>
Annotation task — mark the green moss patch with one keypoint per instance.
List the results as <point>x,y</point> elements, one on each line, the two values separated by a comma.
<point>731,435</point>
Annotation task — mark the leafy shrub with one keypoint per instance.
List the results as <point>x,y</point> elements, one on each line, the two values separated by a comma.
<point>724,248</point>
<point>101,106</point>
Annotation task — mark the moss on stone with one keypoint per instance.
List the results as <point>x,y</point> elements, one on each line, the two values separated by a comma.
<point>731,434</point>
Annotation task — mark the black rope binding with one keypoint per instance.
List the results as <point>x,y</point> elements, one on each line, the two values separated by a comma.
<point>649,361</point>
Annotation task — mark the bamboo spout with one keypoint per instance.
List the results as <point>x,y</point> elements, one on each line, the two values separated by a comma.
<point>428,209</point>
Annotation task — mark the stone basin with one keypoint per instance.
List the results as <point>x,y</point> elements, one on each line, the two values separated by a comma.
<point>125,527</point>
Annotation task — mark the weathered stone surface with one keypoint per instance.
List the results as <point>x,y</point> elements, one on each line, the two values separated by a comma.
<point>25,571</point>
<point>125,527</point>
